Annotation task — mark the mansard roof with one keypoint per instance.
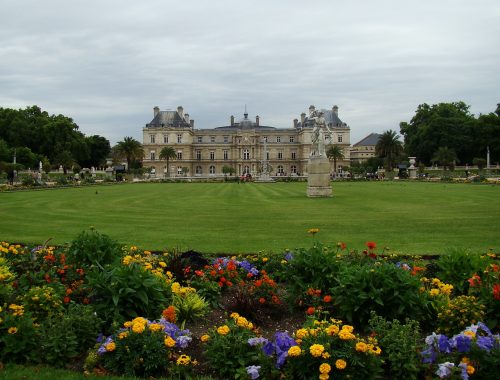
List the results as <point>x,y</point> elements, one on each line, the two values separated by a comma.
<point>167,119</point>
<point>370,140</point>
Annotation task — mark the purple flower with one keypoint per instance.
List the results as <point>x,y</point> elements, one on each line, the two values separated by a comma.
<point>485,343</point>
<point>444,369</point>
<point>464,374</point>
<point>485,328</point>
<point>283,343</point>
<point>257,341</point>
<point>461,342</point>
<point>102,349</point>
<point>253,371</point>
<point>183,341</point>
<point>289,256</point>
<point>444,344</point>
<point>100,338</point>
<point>429,355</point>
<point>268,348</point>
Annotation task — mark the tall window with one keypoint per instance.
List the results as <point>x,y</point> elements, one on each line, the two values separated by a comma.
<point>212,139</point>
<point>293,169</point>
<point>265,138</point>
<point>280,155</point>
<point>226,155</point>
<point>340,138</point>
<point>294,155</point>
<point>246,170</point>
<point>280,169</point>
<point>152,139</point>
<point>152,155</point>
<point>179,154</point>
<point>179,170</point>
<point>199,170</point>
<point>179,139</point>
<point>267,155</point>
<point>165,139</point>
<point>198,155</point>
<point>212,155</point>
<point>246,154</point>
<point>278,138</point>
<point>212,169</point>
<point>292,139</point>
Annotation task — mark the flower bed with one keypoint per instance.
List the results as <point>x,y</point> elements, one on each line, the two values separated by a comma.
<point>316,313</point>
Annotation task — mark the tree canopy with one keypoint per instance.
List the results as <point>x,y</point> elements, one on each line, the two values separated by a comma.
<point>389,148</point>
<point>130,149</point>
<point>37,136</point>
<point>451,125</point>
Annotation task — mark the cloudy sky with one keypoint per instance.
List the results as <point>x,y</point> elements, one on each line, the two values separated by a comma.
<point>107,63</point>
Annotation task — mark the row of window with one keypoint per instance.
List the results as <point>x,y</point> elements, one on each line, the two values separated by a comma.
<point>225,153</point>
<point>246,170</point>
<point>152,139</point>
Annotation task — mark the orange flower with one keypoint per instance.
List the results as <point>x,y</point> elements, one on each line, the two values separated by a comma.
<point>66,299</point>
<point>327,299</point>
<point>371,245</point>
<point>169,314</point>
<point>310,311</point>
<point>496,292</point>
<point>342,245</point>
<point>262,300</point>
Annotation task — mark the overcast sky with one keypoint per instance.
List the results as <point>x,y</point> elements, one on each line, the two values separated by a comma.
<point>107,63</point>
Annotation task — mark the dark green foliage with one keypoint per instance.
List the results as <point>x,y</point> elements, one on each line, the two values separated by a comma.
<point>399,343</point>
<point>457,266</point>
<point>121,292</point>
<point>93,248</point>
<point>391,292</point>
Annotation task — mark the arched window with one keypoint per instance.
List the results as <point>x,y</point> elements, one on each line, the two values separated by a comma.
<point>280,169</point>
<point>199,170</point>
<point>293,169</point>
<point>246,170</point>
<point>212,169</point>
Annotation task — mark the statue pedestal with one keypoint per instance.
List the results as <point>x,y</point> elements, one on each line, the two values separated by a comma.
<point>318,180</point>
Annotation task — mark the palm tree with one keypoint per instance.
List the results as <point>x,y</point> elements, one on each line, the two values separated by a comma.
<point>129,148</point>
<point>335,153</point>
<point>166,154</point>
<point>445,156</point>
<point>389,147</point>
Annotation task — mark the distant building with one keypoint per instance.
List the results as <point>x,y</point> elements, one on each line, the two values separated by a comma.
<point>364,149</point>
<point>240,144</point>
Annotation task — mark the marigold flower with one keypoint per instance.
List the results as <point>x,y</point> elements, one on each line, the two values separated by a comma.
<point>169,314</point>
<point>346,335</point>
<point>138,328</point>
<point>496,292</point>
<point>234,316</point>
<point>348,328</point>
<point>325,355</point>
<point>301,333</point>
<point>110,347</point>
<point>223,330</point>
<point>470,370</point>
<point>327,299</point>
<point>169,342</point>
<point>361,347</point>
<point>183,360</point>
<point>332,330</point>
<point>324,376</point>
<point>340,364</point>
<point>294,351</point>
<point>325,368</point>
<point>316,350</point>
<point>155,327</point>
<point>205,338</point>
<point>12,330</point>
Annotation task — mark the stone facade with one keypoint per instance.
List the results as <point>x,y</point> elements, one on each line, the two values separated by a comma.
<point>364,149</point>
<point>240,145</point>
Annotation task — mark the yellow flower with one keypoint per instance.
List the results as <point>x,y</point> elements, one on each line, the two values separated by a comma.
<point>294,351</point>
<point>316,350</point>
<point>325,368</point>
<point>205,338</point>
<point>346,335</point>
<point>332,330</point>
<point>234,316</point>
<point>138,328</point>
<point>348,328</point>
<point>183,360</point>
<point>470,370</point>
<point>340,364</point>
<point>325,355</point>
<point>265,259</point>
<point>301,333</point>
<point>361,347</point>
<point>12,330</point>
<point>169,342</point>
<point>324,376</point>
<point>223,330</point>
<point>434,292</point>
<point>162,264</point>
<point>313,231</point>
<point>110,346</point>
<point>123,335</point>
<point>155,327</point>
<point>176,287</point>
<point>242,322</point>
<point>127,324</point>
<point>376,351</point>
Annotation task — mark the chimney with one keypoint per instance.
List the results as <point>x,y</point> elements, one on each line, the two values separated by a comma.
<point>295,123</point>
<point>232,121</point>
<point>311,108</point>
<point>302,117</point>
<point>192,123</point>
<point>257,119</point>
<point>335,110</point>
<point>156,111</point>
<point>180,111</point>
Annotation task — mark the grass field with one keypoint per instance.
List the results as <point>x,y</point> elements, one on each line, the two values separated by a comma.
<point>408,217</point>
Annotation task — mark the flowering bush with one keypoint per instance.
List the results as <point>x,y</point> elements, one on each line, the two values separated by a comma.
<point>329,349</point>
<point>18,341</point>
<point>91,248</point>
<point>485,285</point>
<point>42,302</point>
<point>474,351</point>
<point>459,312</point>
<point>145,348</point>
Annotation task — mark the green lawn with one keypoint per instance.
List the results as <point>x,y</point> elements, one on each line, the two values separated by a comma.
<point>239,218</point>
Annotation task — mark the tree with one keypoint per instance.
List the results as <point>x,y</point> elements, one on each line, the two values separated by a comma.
<point>228,170</point>
<point>130,149</point>
<point>439,125</point>
<point>446,157</point>
<point>99,150</point>
<point>166,154</point>
<point>389,147</point>
<point>335,153</point>
<point>479,162</point>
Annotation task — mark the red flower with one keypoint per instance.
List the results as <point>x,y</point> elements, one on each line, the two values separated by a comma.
<point>343,245</point>
<point>496,292</point>
<point>474,281</point>
<point>310,311</point>
<point>371,245</point>
<point>249,275</point>
<point>416,270</point>
<point>66,299</point>
<point>169,314</point>
<point>198,273</point>
<point>262,300</point>
<point>327,299</point>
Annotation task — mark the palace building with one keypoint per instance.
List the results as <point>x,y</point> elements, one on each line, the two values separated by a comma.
<point>240,145</point>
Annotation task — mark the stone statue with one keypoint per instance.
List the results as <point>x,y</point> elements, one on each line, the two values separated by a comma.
<point>318,133</point>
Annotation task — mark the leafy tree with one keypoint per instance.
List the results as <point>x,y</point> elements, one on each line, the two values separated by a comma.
<point>5,152</point>
<point>479,162</point>
<point>228,170</point>
<point>168,153</point>
<point>439,125</point>
<point>26,157</point>
<point>488,135</point>
<point>389,147</point>
<point>99,150</point>
<point>335,153</point>
<point>446,157</point>
<point>64,159</point>
<point>130,149</point>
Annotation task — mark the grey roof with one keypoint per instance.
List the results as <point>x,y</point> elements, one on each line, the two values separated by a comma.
<point>370,140</point>
<point>237,127</point>
<point>331,118</point>
<point>167,119</point>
